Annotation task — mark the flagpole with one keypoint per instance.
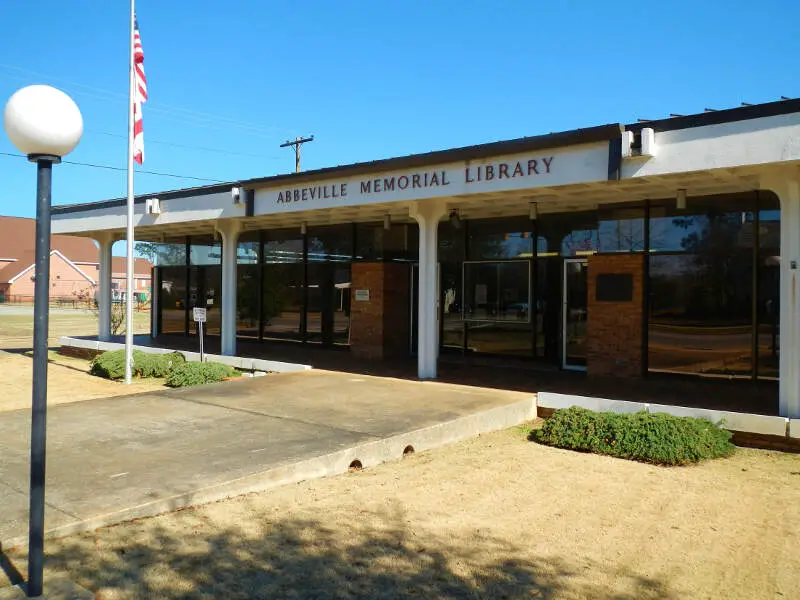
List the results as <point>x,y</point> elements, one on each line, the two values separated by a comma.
<point>129,248</point>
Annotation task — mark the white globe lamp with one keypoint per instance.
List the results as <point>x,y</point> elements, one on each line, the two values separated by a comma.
<point>43,121</point>
<point>45,124</point>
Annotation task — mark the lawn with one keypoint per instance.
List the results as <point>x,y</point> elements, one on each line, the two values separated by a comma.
<point>493,517</point>
<point>68,379</point>
<point>16,325</point>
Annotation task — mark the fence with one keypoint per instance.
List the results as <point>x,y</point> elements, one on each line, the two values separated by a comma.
<point>142,302</point>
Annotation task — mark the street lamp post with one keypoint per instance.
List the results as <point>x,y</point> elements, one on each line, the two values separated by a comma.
<point>45,124</point>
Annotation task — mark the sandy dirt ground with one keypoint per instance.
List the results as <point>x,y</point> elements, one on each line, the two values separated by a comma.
<point>68,380</point>
<point>494,517</point>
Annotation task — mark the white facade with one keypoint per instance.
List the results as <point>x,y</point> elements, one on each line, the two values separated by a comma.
<point>739,150</point>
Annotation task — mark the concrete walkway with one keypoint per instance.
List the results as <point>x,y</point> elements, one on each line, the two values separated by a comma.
<point>118,458</point>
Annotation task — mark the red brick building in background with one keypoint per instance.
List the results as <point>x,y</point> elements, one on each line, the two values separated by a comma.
<point>74,265</point>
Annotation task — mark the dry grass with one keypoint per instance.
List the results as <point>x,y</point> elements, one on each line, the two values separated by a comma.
<point>494,517</point>
<point>16,325</point>
<point>68,380</point>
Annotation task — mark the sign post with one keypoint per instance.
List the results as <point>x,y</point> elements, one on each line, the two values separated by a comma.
<point>200,318</point>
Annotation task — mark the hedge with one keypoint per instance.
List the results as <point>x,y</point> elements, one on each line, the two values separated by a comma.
<point>111,364</point>
<point>197,373</point>
<point>656,438</point>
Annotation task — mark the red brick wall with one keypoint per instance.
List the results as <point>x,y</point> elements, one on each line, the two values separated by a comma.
<point>379,326</point>
<point>615,328</point>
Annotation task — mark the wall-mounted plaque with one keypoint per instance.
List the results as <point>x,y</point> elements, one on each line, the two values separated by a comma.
<point>362,295</point>
<point>614,287</point>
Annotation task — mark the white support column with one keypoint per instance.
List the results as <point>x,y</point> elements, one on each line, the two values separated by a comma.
<point>155,307</point>
<point>427,214</point>
<point>229,230</point>
<point>106,242</point>
<point>787,186</point>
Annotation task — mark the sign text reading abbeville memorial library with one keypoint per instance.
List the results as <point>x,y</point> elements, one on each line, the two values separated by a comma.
<point>427,179</point>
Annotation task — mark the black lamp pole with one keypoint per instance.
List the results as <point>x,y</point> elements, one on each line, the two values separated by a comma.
<point>41,306</point>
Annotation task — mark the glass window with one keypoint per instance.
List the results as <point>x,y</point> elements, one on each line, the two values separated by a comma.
<point>768,306</point>
<point>328,318</point>
<point>330,243</point>
<point>172,299</point>
<point>700,313</point>
<point>283,246</point>
<point>205,250</point>
<point>451,242</point>
<point>247,250</point>
<point>283,300</point>
<point>715,224</point>
<point>247,299</point>
<point>567,234</point>
<point>500,238</point>
<point>549,286</point>
<point>621,230</point>
<point>373,242</point>
<point>164,254</point>
<point>452,290</point>
<point>514,339</point>
<point>701,286</point>
<point>497,291</point>
<point>205,290</point>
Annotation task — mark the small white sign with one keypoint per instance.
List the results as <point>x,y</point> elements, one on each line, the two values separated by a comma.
<point>362,295</point>
<point>199,315</point>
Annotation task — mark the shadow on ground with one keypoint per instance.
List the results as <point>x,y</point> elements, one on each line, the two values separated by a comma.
<point>191,558</point>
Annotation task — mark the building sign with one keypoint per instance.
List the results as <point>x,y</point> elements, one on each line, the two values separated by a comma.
<point>362,295</point>
<point>199,315</point>
<point>469,176</point>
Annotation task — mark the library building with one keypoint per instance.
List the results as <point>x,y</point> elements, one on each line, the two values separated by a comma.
<point>656,249</point>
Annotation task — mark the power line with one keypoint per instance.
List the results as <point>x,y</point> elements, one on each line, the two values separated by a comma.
<point>177,113</point>
<point>112,168</point>
<point>150,140</point>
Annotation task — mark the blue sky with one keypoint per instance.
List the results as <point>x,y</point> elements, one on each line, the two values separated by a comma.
<point>230,81</point>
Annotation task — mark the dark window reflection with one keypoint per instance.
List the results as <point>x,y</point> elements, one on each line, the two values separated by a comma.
<point>283,300</point>
<point>205,290</point>
<point>205,250</point>
<point>331,243</point>
<point>170,253</point>
<point>500,238</point>
<point>328,318</point>
<point>497,291</point>
<point>247,299</point>
<point>172,300</point>
<point>567,234</point>
<point>768,306</point>
<point>621,230</point>
<point>399,243</point>
<point>493,337</point>
<point>452,303</point>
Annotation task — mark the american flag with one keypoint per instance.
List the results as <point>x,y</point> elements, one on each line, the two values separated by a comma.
<point>139,94</point>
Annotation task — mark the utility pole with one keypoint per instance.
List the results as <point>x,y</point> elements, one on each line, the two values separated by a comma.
<point>299,141</point>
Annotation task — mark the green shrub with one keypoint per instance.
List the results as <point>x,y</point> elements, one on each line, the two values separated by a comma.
<point>156,365</point>
<point>111,364</point>
<point>654,438</point>
<point>197,373</point>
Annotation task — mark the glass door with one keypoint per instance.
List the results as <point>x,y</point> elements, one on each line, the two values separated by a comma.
<point>574,317</point>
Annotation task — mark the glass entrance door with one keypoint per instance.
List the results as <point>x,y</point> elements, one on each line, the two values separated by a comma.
<point>574,317</point>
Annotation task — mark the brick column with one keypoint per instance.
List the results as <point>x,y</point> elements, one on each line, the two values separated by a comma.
<point>615,326</point>
<point>379,326</point>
